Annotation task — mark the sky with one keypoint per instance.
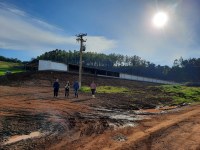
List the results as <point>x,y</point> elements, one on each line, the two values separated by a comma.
<point>28,28</point>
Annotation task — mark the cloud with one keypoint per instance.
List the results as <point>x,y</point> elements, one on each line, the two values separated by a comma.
<point>20,31</point>
<point>100,44</point>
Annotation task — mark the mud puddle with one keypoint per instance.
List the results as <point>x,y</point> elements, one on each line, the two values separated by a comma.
<point>120,118</point>
<point>124,118</point>
<point>17,138</point>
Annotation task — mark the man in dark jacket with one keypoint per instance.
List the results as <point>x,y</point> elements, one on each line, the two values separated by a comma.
<point>76,87</point>
<point>56,87</point>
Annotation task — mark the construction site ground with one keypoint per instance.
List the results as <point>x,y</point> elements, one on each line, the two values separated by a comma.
<point>31,118</point>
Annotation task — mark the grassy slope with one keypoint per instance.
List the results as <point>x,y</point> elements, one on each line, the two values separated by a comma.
<point>182,94</point>
<point>167,94</point>
<point>9,66</point>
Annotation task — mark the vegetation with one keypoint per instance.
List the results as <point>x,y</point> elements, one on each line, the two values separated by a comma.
<point>10,66</point>
<point>166,94</point>
<point>106,89</point>
<point>14,60</point>
<point>181,71</point>
<point>182,94</point>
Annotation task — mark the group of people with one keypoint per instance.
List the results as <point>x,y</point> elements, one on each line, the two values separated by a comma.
<point>56,87</point>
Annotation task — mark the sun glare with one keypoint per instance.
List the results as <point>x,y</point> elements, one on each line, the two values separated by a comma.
<point>160,19</point>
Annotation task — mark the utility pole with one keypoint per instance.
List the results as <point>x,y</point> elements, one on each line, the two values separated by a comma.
<point>82,48</point>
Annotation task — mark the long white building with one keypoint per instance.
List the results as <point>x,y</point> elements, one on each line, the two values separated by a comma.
<point>54,66</point>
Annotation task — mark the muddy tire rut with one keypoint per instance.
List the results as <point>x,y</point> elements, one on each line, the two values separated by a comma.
<point>53,128</point>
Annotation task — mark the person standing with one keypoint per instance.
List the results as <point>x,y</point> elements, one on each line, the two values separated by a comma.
<point>76,88</point>
<point>56,87</point>
<point>67,86</point>
<point>93,89</point>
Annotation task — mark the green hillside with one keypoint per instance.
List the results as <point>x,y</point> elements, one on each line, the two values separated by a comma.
<point>9,66</point>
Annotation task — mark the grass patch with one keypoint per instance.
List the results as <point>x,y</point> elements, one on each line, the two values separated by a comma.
<point>106,89</point>
<point>182,94</point>
<point>9,66</point>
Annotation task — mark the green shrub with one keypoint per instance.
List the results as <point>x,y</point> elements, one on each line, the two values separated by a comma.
<point>106,89</point>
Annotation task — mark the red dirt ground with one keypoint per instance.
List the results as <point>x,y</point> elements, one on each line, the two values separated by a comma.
<point>27,106</point>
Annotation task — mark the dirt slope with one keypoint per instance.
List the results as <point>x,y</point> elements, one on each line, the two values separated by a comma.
<point>30,118</point>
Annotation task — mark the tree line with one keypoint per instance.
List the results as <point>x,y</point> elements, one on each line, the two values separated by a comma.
<point>14,60</point>
<point>181,71</point>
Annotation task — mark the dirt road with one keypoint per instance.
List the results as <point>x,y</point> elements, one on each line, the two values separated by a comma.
<point>176,131</point>
<point>30,118</point>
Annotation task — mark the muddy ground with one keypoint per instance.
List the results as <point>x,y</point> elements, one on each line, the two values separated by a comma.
<point>30,118</point>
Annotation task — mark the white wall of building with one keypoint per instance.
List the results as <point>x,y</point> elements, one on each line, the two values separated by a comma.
<point>49,65</point>
<point>54,66</point>
<point>139,78</point>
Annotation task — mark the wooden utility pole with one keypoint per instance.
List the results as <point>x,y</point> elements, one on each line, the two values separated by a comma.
<point>82,48</point>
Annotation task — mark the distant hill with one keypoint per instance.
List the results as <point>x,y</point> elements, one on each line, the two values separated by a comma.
<point>10,67</point>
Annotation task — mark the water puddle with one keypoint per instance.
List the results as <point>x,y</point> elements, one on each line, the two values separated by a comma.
<point>120,118</point>
<point>128,117</point>
<point>17,138</point>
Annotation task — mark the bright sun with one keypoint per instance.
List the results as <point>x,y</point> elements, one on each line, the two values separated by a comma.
<point>160,19</point>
